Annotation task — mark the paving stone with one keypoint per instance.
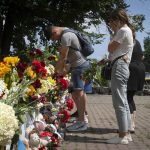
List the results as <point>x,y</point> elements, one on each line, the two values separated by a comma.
<point>103,125</point>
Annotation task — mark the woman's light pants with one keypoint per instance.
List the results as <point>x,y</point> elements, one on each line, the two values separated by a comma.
<point>119,78</point>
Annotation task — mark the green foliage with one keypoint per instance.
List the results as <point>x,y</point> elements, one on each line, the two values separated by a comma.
<point>137,22</point>
<point>94,74</point>
<point>27,18</point>
<point>147,53</point>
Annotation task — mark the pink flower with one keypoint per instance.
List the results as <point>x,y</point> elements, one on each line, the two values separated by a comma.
<point>39,125</point>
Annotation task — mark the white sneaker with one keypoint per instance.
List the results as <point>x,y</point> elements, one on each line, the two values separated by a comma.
<point>77,126</point>
<point>118,140</point>
<point>129,137</point>
<point>86,119</point>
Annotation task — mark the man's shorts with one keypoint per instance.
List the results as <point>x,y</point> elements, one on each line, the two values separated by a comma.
<point>77,76</point>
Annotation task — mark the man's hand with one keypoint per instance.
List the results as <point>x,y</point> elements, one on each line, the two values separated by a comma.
<point>62,68</point>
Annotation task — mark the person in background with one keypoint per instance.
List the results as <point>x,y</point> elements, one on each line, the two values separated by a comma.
<point>78,64</point>
<point>136,79</point>
<point>121,47</point>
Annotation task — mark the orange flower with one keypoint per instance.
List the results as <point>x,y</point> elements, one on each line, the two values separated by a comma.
<point>32,90</point>
<point>13,61</point>
<point>31,73</point>
<point>4,69</point>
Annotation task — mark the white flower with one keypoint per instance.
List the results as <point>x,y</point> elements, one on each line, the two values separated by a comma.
<point>44,87</point>
<point>8,123</point>
<point>14,87</point>
<point>50,69</point>
<point>3,90</point>
<point>39,105</point>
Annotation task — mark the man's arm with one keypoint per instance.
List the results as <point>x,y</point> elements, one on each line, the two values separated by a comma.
<point>62,59</point>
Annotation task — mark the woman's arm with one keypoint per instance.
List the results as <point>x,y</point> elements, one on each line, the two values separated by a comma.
<point>112,46</point>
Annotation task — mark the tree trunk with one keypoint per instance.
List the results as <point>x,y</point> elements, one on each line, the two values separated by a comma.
<point>1,33</point>
<point>7,34</point>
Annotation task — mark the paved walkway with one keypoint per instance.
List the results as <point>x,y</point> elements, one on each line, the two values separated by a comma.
<point>102,126</point>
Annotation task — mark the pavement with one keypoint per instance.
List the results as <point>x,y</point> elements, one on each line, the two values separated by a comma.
<point>103,125</point>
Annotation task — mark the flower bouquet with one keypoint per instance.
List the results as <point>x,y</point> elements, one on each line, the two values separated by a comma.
<point>27,88</point>
<point>8,124</point>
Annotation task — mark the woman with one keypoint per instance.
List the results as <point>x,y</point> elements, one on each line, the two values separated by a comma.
<point>136,79</point>
<point>121,47</point>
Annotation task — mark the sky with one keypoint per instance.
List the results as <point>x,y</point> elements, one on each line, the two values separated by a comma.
<point>136,7</point>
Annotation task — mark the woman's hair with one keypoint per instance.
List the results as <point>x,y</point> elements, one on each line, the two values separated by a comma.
<point>121,15</point>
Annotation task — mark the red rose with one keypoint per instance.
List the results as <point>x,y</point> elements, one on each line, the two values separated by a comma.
<point>34,98</point>
<point>42,148</point>
<point>21,68</point>
<point>43,99</point>
<point>37,84</point>
<point>63,83</point>
<point>55,141</point>
<point>70,103</point>
<point>39,52</point>
<point>64,116</point>
<point>32,53</point>
<point>45,134</point>
<point>43,64</point>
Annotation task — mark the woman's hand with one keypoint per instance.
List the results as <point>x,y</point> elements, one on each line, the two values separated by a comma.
<point>103,61</point>
<point>113,46</point>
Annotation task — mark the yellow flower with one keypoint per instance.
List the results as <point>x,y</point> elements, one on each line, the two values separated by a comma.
<point>55,109</point>
<point>32,90</point>
<point>52,81</point>
<point>31,73</point>
<point>4,69</point>
<point>13,61</point>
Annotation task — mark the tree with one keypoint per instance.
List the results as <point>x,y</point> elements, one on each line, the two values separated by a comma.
<point>147,53</point>
<point>25,18</point>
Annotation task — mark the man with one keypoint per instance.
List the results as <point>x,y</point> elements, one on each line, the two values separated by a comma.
<point>69,52</point>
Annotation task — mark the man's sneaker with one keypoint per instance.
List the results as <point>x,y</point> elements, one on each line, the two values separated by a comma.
<point>76,126</point>
<point>83,128</point>
<point>118,140</point>
<point>129,137</point>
